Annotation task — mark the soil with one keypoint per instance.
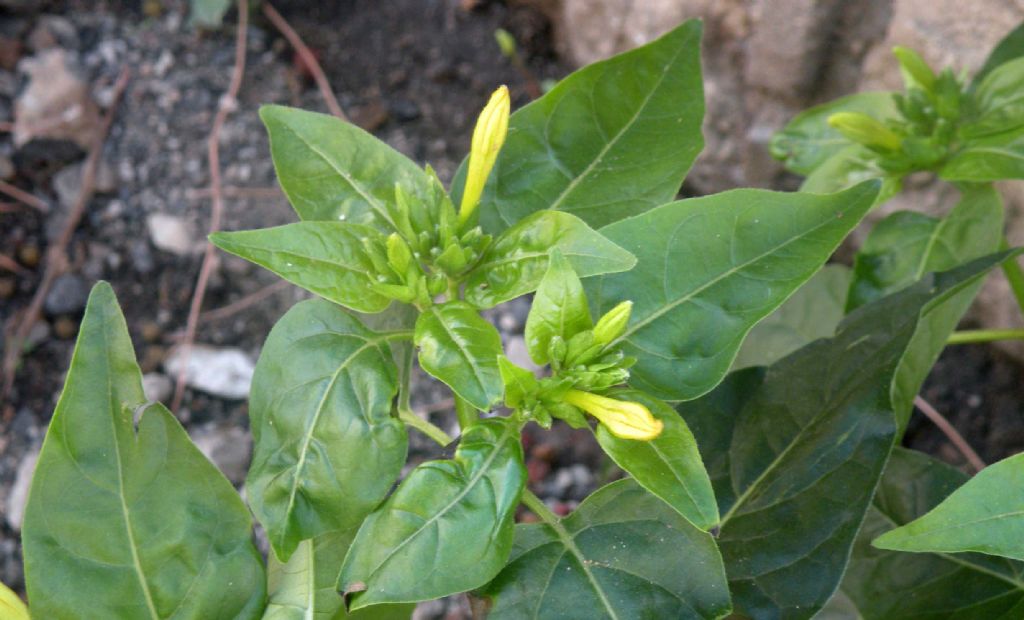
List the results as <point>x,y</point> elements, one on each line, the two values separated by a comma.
<point>413,72</point>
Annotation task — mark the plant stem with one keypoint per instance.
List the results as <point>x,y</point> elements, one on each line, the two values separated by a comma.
<point>528,498</point>
<point>466,413</point>
<point>398,334</point>
<point>428,429</point>
<point>985,335</point>
<point>1015,276</point>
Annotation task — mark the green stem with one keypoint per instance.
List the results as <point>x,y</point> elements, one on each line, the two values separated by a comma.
<point>400,334</point>
<point>428,429</point>
<point>538,507</point>
<point>466,413</point>
<point>985,335</point>
<point>1015,276</point>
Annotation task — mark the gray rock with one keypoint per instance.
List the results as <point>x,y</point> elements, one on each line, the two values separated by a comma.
<point>67,296</point>
<point>220,371</point>
<point>55,91</point>
<point>156,386</point>
<point>18,495</point>
<point>227,447</point>
<point>173,234</point>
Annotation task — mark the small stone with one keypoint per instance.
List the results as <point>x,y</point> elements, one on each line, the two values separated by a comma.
<point>54,91</point>
<point>18,495</point>
<point>6,168</point>
<point>65,328</point>
<point>172,234</point>
<point>151,331</point>
<point>29,255</point>
<point>219,371</point>
<point>141,256</point>
<point>404,110</point>
<point>67,295</point>
<point>7,287</point>
<point>156,386</point>
<point>227,447</point>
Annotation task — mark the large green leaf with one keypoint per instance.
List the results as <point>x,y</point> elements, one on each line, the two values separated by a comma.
<point>1009,48</point>
<point>906,245</point>
<point>807,141</point>
<point>985,515</point>
<point>448,527</point>
<point>795,452</point>
<point>623,553</point>
<point>517,261</point>
<point>326,258</point>
<point>304,588</point>
<point>987,160</point>
<point>333,170</point>
<point>889,585</point>
<point>327,448</point>
<point>614,139</point>
<point>709,269</point>
<point>668,466</point>
<point>125,521</point>
<point>814,311</point>
<point>999,101</point>
<point>559,309</point>
<point>459,347</point>
<point>848,167</point>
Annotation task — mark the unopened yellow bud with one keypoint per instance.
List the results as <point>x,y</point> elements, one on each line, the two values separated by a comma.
<point>613,323</point>
<point>488,137</point>
<point>624,419</point>
<point>865,130</point>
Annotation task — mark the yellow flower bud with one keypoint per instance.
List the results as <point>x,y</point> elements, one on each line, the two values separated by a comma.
<point>624,419</point>
<point>488,136</point>
<point>613,323</point>
<point>865,130</point>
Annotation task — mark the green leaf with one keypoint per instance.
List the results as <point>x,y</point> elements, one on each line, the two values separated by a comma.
<point>520,383</point>
<point>1009,48</point>
<point>559,308</point>
<point>125,520</point>
<point>613,139</point>
<point>807,141</point>
<point>459,347</point>
<point>448,527</point>
<point>795,452</point>
<point>850,166</point>
<point>332,170</point>
<point>999,101</point>
<point>668,466</point>
<point>303,589</point>
<point>985,515</point>
<point>906,245</point>
<point>623,553</point>
<point>208,13</point>
<point>11,606</point>
<point>813,312</point>
<point>709,269</point>
<point>889,585</point>
<point>325,258</point>
<point>327,448</point>
<point>984,161</point>
<point>517,261</point>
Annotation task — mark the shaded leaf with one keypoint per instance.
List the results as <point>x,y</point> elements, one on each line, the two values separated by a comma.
<point>813,312</point>
<point>559,309</point>
<point>517,261</point>
<point>325,258</point>
<point>807,141</point>
<point>459,347</point>
<point>984,161</point>
<point>332,170</point>
<point>795,457</point>
<point>985,515</point>
<point>613,139</point>
<point>999,102</point>
<point>303,589</point>
<point>668,466</point>
<point>126,522</point>
<point>1009,48</point>
<point>327,448</point>
<point>709,269</point>
<point>448,527</point>
<point>890,585</point>
<point>623,553</point>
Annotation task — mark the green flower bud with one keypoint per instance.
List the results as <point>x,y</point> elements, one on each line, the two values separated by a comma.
<point>612,325</point>
<point>398,292</point>
<point>915,67</point>
<point>506,42</point>
<point>399,255</point>
<point>865,130</point>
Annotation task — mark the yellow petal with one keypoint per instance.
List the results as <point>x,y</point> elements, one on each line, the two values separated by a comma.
<point>623,418</point>
<point>488,137</point>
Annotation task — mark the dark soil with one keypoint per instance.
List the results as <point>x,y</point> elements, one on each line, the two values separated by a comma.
<point>413,72</point>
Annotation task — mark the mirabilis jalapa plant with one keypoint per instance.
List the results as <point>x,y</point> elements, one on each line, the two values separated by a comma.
<point>745,493</point>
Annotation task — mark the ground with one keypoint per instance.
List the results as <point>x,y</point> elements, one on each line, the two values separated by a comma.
<point>413,72</point>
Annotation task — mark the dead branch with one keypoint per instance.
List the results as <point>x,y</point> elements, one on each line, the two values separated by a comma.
<point>24,197</point>
<point>235,307</point>
<point>950,432</point>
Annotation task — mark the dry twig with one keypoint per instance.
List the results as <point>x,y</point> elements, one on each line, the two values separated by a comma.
<point>227,103</point>
<point>235,307</point>
<point>56,255</point>
<point>950,432</point>
<point>232,191</point>
<point>307,57</point>
<point>23,197</point>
